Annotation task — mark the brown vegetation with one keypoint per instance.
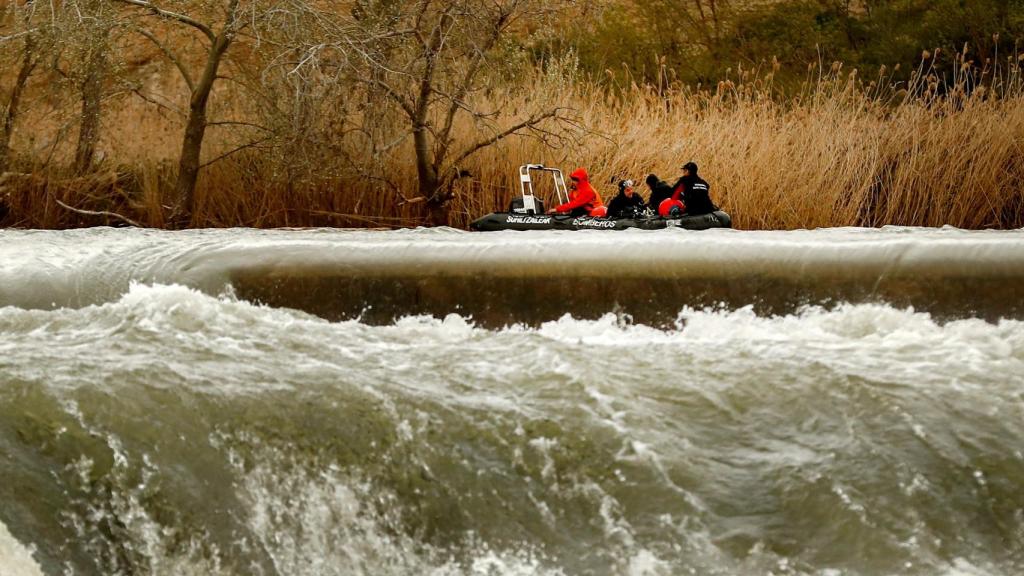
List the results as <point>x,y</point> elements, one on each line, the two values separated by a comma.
<point>303,133</point>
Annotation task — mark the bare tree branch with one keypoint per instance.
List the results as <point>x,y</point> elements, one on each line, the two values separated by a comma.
<point>467,81</point>
<point>238,123</point>
<point>158,104</point>
<point>157,11</point>
<point>170,56</point>
<point>17,35</point>
<point>114,215</point>
<point>234,151</point>
<point>398,98</point>
<point>532,121</point>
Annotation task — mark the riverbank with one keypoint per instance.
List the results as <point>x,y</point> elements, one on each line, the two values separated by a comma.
<point>844,152</point>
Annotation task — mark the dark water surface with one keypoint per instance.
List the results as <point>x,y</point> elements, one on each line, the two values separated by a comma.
<point>436,402</point>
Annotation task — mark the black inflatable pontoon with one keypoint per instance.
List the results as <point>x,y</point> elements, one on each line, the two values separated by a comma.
<point>515,221</point>
<point>527,213</point>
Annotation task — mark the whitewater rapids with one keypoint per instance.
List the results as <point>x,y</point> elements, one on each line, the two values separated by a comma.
<point>164,411</point>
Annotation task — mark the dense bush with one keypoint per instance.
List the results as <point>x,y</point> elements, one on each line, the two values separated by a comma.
<point>701,41</point>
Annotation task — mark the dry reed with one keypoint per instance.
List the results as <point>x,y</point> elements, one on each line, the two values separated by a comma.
<point>841,153</point>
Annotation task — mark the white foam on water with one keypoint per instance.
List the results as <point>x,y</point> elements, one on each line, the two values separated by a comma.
<point>870,340</point>
<point>329,523</point>
<point>174,306</point>
<point>315,519</point>
<point>871,324</point>
<point>159,549</point>
<point>961,567</point>
<point>873,340</point>
<point>15,558</point>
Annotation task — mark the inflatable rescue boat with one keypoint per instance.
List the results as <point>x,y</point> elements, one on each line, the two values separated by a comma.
<point>527,213</point>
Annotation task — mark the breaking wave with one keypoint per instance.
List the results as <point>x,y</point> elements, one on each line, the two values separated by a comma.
<point>168,431</point>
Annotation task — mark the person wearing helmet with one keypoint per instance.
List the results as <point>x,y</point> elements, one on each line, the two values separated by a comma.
<point>627,203</point>
<point>693,192</point>
<point>583,199</point>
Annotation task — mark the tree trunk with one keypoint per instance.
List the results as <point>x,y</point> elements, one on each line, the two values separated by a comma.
<point>437,203</point>
<point>438,213</point>
<point>89,125</point>
<point>188,162</point>
<point>28,62</point>
<point>195,131</point>
<point>429,182</point>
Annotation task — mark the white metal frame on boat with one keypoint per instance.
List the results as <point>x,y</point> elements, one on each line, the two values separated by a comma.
<point>526,185</point>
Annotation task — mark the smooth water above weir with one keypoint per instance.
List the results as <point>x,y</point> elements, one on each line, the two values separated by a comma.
<point>504,278</point>
<point>435,402</point>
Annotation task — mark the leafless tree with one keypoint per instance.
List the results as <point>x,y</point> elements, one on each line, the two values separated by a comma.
<point>27,30</point>
<point>428,61</point>
<point>83,58</point>
<point>218,22</point>
<point>297,108</point>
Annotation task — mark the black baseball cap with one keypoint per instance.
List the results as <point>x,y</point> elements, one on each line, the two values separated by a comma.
<point>691,167</point>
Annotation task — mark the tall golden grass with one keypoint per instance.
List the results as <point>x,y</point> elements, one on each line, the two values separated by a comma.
<point>842,152</point>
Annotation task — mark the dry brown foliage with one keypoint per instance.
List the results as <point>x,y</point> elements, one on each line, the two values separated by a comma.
<point>842,153</point>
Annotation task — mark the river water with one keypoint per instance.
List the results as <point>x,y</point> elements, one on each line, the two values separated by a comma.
<point>437,402</point>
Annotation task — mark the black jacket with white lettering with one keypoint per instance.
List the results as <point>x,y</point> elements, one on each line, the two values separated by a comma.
<point>694,192</point>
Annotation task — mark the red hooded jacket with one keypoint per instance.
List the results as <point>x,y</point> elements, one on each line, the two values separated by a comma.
<point>584,196</point>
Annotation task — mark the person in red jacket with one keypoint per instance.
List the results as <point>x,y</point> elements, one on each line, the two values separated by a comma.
<point>583,199</point>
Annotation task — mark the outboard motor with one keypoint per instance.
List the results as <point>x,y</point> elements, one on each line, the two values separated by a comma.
<point>526,205</point>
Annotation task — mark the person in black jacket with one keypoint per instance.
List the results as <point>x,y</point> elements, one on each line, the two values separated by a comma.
<point>627,203</point>
<point>693,191</point>
<point>660,191</point>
